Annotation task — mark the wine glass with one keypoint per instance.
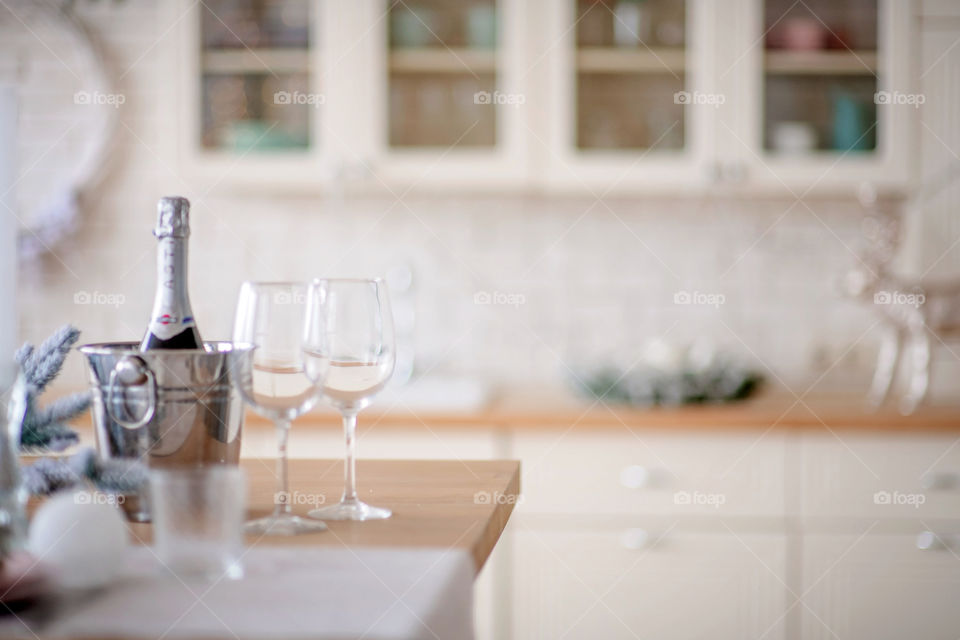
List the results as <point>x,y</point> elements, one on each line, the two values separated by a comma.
<point>272,379</point>
<point>351,354</point>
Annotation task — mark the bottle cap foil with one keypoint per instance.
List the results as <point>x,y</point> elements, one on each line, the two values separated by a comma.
<point>173,217</point>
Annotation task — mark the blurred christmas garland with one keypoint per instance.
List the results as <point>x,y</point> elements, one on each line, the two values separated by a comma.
<point>720,380</point>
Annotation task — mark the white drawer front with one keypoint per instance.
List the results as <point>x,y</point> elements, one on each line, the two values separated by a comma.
<point>586,584</point>
<point>652,472</point>
<point>880,475</point>
<point>878,586</point>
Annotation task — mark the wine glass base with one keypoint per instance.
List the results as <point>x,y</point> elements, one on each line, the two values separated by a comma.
<point>351,511</point>
<point>283,525</point>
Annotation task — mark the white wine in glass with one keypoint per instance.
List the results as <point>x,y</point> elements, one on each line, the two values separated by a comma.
<point>350,354</point>
<point>271,318</point>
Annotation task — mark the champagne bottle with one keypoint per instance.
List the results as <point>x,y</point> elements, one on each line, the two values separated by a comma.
<point>171,324</point>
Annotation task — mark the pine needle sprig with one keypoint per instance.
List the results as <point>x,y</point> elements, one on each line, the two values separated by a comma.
<point>41,366</point>
<point>116,475</point>
<point>45,428</point>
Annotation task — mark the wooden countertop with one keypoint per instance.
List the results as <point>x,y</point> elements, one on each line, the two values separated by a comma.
<point>545,408</point>
<point>435,503</point>
<point>535,409</point>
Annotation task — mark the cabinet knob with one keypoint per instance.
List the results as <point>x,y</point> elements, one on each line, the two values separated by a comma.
<point>940,481</point>
<point>635,476</point>
<point>635,539</point>
<point>930,541</point>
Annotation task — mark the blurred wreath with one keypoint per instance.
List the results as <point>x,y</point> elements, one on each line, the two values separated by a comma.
<point>673,376</point>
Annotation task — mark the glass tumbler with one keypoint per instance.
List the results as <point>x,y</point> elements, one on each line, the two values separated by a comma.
<point>198,516</point>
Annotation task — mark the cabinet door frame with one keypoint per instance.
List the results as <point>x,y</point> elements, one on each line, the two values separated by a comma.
<point>503,166</point>
<point>214,171</point>
<point>564,168</point>
<point>829,172</point>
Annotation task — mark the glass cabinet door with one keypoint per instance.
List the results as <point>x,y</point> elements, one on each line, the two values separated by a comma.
<point>255,76</point>
<point>442,74</point>
<point>626,110</point>
<point>820,77</point>
<point>630,74</point>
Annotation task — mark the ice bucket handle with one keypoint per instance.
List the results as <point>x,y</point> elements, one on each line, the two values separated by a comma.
<point>132,371</point>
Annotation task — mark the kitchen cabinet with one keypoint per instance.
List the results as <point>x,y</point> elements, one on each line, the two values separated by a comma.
<point>651,472</point>
<point>628,521</point>
<point>356,92</point>
<point>824,94</point>
<point>576,580</point>
<point>878,586</point>
<point>873,476</point>
<point>249,98</point>
<point>593,96</point>
<point>616,114</point>
<point>767,95</point>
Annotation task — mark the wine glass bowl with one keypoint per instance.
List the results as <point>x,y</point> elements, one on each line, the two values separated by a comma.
<point>273,380</point>
<point>350,355</point>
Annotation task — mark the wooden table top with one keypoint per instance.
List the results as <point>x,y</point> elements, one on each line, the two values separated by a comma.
<point>435,503</point>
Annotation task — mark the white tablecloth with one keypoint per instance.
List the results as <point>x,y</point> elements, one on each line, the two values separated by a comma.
<point>286,593</point>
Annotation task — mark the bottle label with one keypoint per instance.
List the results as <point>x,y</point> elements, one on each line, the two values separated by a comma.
<point>169,318</point>
<point>166,326</point>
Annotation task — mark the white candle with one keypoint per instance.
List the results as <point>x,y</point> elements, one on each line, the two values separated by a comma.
<point>8,225</point>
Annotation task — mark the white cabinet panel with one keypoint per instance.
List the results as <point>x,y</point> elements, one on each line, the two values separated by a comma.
<point>584,583</point>
<point>933,228</point>
<point>655,472</point>
<point>881,475</point>
<point>940,8</point>
<point>879,587</point>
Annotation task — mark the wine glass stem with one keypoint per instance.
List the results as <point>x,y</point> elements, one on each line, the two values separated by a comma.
<point>350,467</point>
<point>283,499</point>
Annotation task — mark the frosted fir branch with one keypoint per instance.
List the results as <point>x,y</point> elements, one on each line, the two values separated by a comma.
<point>62,409</point>
<point>117,475</point>
<point>120,475</point>
<point>45,428</point>
<point>47,475</point>
<point>40,366</point>
<point>23,354</point>
<point>84,462</point>
<point>50,437</point>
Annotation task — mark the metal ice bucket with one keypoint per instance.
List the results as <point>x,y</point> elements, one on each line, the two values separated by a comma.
<point>167,408</point>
